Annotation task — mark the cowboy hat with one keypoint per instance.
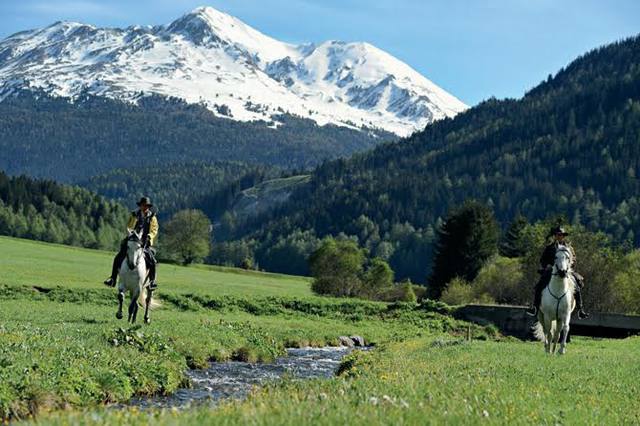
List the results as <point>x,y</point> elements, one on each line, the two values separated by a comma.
<point>559,230</point>
<point>145,201</point>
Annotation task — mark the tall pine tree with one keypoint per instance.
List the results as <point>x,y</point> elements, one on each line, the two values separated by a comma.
<point>468,237</point>
<point>512,244</point>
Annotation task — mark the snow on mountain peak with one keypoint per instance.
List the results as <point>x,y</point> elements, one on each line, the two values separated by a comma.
<point>212,58</point>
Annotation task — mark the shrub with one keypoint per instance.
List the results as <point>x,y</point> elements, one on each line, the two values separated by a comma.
<point>627,285</point>
<point>246,263</point>
<point>377,280</point>
<point>420,291</point>
<point>457,292</point>
<point>400,292</point>
<point>500,280</point>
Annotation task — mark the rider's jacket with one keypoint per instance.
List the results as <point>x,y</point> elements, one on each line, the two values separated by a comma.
<point>548,257</point>
<point>147,223</point>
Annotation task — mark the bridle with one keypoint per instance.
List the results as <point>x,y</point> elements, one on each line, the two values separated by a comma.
<point>562,274</point>
<point>133,263</point>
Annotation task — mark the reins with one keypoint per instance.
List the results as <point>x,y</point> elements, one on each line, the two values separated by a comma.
<point>140,257</point>
<point>558,299</point>
<point>130,262</point>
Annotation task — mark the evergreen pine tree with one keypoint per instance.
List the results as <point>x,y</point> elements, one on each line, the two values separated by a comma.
<point>468,237</point>
<point>512,244</point>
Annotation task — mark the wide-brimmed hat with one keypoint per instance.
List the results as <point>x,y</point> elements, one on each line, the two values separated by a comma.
<point>559,230</point>
<point>145,201</point>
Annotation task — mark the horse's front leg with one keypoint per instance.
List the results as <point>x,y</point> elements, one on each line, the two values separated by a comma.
<point>136,305</point>
<point>120,302</point>
<point>563,340</point>
<point>556,336</point>
<point>147,301</point>
<point>133,307</point>
<point>547,336</point>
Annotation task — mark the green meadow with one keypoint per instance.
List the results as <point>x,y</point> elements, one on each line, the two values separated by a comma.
<point>64,355</point>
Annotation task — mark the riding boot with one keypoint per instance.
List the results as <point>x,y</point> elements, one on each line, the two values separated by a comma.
<point>150,257</point>
<point>117,262</point>
<point>578,296</point>
<point>537,298</point>
<point>153,285</point>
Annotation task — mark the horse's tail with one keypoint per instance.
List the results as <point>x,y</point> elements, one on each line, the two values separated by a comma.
<point>142,300</point>
<point>538,331</point>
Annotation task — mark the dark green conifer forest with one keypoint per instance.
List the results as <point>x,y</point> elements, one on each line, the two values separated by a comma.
<point>570,146</point>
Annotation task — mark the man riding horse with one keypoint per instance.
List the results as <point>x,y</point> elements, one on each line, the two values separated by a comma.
<point>145,222</point>
<point>546,269</point>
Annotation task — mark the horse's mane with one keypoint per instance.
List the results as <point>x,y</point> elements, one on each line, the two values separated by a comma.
<point>565,248</point>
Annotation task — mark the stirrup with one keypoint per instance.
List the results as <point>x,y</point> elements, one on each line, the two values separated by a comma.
<point>582,314</point>
<point>153,285</point>
<point>532,311</point>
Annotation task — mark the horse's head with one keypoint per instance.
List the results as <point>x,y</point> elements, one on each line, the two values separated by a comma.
<point>134,249</point>
<point>563,262</point>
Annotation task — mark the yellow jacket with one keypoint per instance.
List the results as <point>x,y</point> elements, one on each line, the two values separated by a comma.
<point>153,224</point>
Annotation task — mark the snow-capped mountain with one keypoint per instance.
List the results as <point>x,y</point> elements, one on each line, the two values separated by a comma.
<point>212,58</point>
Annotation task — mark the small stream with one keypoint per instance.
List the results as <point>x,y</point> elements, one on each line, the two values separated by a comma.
<point>224,380</point>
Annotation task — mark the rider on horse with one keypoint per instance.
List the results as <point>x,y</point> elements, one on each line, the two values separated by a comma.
<point>144,221</point>
<point>546,268</point>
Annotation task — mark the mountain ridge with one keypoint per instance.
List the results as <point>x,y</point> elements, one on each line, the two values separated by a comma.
<point>237,72</point>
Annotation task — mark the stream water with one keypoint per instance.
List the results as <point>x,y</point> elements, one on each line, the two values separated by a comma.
<point>223,380</point>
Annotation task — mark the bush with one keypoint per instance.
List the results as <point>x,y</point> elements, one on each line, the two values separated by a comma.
<point>401,292</point>
<point>338,270</point>
<point>500,280</point>
<point>627,285</point>
<point>247,263</point>
<point>406,293</point>
<point>420,291</point>
<point>457,292</point>
<point>377,280</point>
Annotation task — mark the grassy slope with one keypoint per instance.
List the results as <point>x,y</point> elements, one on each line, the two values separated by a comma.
<point>63,347</point>
<point>24,262</point>
<point>427,381</point>
<point>56,350</point>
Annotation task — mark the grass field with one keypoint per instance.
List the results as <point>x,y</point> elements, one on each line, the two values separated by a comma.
<point>440,381</point>
<point>24,262</point>
<point>61,348</point>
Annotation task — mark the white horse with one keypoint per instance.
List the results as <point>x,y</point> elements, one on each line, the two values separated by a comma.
<point>557,304</point>
<point>134,276</point>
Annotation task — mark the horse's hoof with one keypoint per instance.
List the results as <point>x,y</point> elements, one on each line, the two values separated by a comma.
<point>119,315</point>
<point>147,320</point>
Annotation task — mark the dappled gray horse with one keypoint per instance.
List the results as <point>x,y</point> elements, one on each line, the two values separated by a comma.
<point>557,304</point>
<point>134,276</point>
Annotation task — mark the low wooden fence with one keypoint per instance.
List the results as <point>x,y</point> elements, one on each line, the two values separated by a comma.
<point>513,321</point>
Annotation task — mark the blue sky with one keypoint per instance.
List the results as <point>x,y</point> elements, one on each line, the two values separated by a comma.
<point>472,48</point>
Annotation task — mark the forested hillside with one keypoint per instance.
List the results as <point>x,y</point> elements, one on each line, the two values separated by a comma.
<point>570,146</point>
<point>73,141</point>
<point>47,211</point>
<point>175,186</point>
